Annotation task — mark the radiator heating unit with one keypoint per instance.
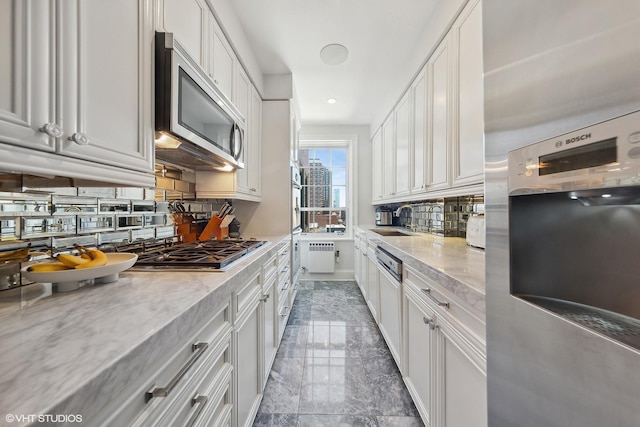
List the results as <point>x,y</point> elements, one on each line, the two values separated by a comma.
<point>321,257</point>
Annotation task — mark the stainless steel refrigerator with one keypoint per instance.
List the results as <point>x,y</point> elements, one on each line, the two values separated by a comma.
<point>558,76</point>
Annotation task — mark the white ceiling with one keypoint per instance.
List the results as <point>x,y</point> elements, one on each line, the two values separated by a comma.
<point>381,36</point>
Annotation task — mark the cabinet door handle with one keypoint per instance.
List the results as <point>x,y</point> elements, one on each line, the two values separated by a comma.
<point>265,297</point>
<point>427,292</point>
<point>430,322</point>
<point>198,349</point>
<point>51,129</point>
<point>197,399</point>
<point>79,138</point>
<point>283,311</point>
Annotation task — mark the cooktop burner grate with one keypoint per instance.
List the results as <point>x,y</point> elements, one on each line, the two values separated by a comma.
<point>210,254</point>
<point>616,326</point>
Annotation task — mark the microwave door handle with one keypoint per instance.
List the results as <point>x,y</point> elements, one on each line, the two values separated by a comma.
<point>238,153</point>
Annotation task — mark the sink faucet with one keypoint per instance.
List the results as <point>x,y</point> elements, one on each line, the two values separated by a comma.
<point>399,210</point>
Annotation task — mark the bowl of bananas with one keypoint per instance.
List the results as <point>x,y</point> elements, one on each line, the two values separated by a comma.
<point>68,270</point>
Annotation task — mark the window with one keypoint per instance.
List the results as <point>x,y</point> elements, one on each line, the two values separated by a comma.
<point>325,189</point>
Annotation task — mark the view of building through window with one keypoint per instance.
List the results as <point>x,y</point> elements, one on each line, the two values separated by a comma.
<point>324,189</point>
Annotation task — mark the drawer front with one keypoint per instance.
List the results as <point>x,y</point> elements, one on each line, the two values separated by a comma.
<point>158,399</point>
<point>191,405</point>
<point>270,267</point>
<point>247,293</point>
<point>436,297</point>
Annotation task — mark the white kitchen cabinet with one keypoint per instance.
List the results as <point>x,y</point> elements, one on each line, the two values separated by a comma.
<point>357,259</point>
<point>80,97</point>
<point>468,151</point>
<point>270,323</point>
<point>377,169</point>
<point>190,22</point>
<point>445,355</point>
<point>27,93</point>
<point>403,150</point>
<point>419,353</point>
<point>373,282</point>
<point>242,184</point>
<point>283,288</point>
<point>419,170</point>
<point>197,364</point>
<point>389,158</point>
<point>223,62</point>
<point>390,313</point>
<point>440,118</point>
<point>248,361</point>
<point>245,178</point>
<point>463,376</point>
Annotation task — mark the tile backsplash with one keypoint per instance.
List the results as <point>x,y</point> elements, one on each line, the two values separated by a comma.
<point>445,216</point>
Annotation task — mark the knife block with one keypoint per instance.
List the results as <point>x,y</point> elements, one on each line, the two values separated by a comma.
<point>212,229</point>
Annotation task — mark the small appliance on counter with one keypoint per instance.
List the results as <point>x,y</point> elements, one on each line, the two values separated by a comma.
<point>476,231</point>
<point>384,215</point>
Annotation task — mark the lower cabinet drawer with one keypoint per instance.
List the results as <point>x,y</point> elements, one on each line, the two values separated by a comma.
<point>219,409</point>
<point>247,292</point>
<point>194,401</point>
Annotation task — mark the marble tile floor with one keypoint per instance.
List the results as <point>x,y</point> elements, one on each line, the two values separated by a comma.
<point>333,367</point>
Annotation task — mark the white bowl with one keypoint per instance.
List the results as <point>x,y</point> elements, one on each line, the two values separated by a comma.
<point>68,279</point>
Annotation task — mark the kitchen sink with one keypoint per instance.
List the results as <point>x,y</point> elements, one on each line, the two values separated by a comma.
<point>383,232</point>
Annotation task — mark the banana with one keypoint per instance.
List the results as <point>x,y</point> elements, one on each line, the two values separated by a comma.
<point>49,266</point>
<point>21,254</point>
<point>72,260</point>
<point>98,259</point>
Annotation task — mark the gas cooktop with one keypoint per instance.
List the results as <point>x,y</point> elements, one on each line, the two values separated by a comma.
<point>211,254</point>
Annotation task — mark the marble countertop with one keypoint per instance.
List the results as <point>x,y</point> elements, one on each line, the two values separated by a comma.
<point>62,351</point>
<point>447,260</point>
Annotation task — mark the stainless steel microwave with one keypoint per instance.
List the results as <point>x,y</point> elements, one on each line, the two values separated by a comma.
<point>196,126</point>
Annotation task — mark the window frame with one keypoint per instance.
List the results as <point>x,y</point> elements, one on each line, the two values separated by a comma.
<point>316,141</point>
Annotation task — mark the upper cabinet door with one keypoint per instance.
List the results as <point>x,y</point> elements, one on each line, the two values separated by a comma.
<point>27,74</point>
<point>403,144</point>
<point>419,171</point>
<point>469,151</point>
<point>377,169</point>
<point>440,64</point>
<point>189,21</point>
<point>389,158</point>
<point>105,75</point>
<point>224,62</point>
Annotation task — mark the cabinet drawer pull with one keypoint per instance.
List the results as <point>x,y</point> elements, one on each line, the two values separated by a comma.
<point>429,322</point>
<point>197,400</point>
<point>198,349</point>
<point>283,310</point>
<point>427,292</point>
<point>265,297</point>
<point>79,138</point>
<point>51,129</point>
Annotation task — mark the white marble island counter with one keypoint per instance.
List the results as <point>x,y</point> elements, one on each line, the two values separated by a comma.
<point>72,353</point>
<point>448,260</point>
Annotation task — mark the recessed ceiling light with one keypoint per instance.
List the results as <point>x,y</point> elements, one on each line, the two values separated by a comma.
<point>334,54</point>
<point>331,101</point>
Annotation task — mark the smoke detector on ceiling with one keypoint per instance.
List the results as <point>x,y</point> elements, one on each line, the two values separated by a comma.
<point>334,54</point>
